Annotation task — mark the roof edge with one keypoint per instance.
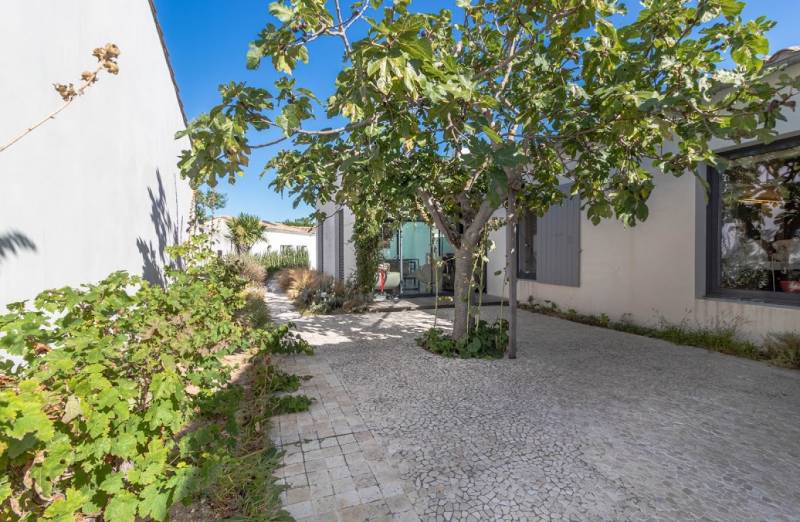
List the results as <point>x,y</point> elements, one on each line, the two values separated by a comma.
<point>160,31</point>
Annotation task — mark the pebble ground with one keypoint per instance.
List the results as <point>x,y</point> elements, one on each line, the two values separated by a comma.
<point>587,424</point>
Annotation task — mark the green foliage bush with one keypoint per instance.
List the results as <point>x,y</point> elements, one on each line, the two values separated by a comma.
<point>255,311</point>
<point>484,341</point>
<point>251,268</point>
<point>94,423</point>
<point>783,349</point>
<point>290,258</point>
<point>244,231</point>
<point>368,235</point>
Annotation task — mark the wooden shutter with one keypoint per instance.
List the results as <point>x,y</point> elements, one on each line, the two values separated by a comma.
<point>558,245</point>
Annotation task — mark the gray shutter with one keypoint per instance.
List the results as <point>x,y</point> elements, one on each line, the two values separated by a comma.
<point>558,245</point>
<point>320,245</point>
<point>340,245</point>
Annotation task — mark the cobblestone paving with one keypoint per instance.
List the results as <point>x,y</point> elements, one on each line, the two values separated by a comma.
<point>588,424</point>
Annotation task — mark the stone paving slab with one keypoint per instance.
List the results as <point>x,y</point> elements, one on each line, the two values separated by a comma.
<point>588,424</point>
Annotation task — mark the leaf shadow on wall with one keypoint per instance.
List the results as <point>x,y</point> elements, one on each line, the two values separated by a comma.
<point>154,257</point>
<point>13,242</point>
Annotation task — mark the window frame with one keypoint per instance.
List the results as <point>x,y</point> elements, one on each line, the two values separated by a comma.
<point>714,231</point>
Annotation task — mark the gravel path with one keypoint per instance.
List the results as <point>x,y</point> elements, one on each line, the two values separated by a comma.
<point>588,424</point>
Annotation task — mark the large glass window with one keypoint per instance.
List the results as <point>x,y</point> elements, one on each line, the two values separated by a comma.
<point>755,224</point>
<point>419,259</point>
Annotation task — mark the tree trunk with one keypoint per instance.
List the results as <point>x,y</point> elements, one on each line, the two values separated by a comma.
<point>511,272</point>
<point>462,289</point>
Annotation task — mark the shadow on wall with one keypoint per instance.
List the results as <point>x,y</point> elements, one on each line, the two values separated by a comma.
<point>12,242</point>
<point>154,257</point>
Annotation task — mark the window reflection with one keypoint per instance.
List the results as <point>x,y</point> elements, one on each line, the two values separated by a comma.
<point>418,257</point>
<point>760,223</point>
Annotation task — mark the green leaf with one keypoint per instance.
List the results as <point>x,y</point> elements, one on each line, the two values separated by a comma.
<point>58,458</point>
<point>155,502</point>
<point>492,134</point>
<point>65,508</point>
<point>72,409</point>
<point>280,11</point>
<point>5,489</point>
<point>113,483</point>
<point>121,508</point>
<point>731,8</point>
<point>374,66</point>
<point>254,55</point>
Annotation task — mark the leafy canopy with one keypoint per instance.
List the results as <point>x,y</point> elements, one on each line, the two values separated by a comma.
<point>445,109</point>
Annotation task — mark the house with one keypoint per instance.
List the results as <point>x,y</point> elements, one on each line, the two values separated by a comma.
<point>95,189</point>
<point>278,237</point>
<point>730,259</point>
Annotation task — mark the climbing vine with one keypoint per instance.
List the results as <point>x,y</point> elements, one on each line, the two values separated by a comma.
<point>367,239</point>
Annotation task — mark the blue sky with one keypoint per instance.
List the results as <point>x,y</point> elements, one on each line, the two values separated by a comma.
<point>208,39</point>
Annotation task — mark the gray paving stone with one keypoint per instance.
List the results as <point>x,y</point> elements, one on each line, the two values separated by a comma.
<point>587,424</point>
<point>296,495</point>
<point>347,499</point>
<point>370,494</point>
<point>299,510</point>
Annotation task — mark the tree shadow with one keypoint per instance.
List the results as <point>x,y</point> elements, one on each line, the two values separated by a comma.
<point>154,257</point>
<point>13,242</point>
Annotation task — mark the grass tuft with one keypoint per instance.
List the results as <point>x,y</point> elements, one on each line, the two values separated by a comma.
<point>779,349</point>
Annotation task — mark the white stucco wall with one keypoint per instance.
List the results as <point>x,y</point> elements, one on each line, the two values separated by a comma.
<point>95,189</point>
<point>655,270</point>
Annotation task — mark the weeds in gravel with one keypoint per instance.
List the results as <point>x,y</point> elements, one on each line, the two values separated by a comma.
<point>242,486</point>
<point>779,349</point>
<point>485,341</point>
<point>783,349</point>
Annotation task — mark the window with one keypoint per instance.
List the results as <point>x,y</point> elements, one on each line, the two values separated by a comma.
<point>287,249</point>
<point>754,224</point>
<point>526,236</point>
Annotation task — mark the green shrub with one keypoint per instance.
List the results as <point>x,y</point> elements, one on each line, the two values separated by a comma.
<point>251,269</point>
<point>319,293</point>
<point>255,310</point>
<point>484,341</point>
<point>783,349</point>
<point>94,423</point>
<point>276,261</point>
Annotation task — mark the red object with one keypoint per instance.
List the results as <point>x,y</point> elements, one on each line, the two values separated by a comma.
<point>381,279</point>
<point>790,287</point>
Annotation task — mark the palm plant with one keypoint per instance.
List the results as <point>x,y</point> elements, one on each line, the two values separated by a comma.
<point>243,231</point>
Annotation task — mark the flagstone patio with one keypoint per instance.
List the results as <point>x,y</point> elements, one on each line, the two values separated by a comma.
<point>588,424</point>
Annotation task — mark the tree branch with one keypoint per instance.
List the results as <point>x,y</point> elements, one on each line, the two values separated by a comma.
<point>473,233</point>
<point>341,32</point>
<point>438,217</point>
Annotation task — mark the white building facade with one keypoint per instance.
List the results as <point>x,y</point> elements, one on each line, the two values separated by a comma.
<point>96,189</point>
<point>728,258</point>
<point>277,237</point>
